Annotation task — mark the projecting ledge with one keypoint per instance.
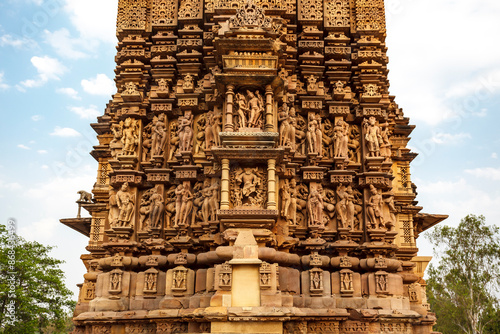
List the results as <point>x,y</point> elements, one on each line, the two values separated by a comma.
<point>81,225</point>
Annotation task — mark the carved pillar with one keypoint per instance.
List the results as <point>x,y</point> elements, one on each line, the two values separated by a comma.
<point>229,126</point>
<point>224,197</point>
<point>269,109</point>
<point>271,184</point>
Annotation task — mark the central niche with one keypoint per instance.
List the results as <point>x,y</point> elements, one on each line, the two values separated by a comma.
<point>249,110</point>
<point>248,187</point>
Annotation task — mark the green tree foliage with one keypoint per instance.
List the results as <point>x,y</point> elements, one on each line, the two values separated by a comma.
<point>463,288</point>
<point>33,297</point>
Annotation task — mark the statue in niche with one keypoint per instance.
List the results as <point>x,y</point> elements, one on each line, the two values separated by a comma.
<point>188,84</point>
<point>289,201</point>
<point>241,102</point>
<point>381,282</point>
<point>385,145</point>
<point>287,130</point>
<point>211,134</point>
<point>389,202</point>
<point>150,281</point>
<point>130,88</point>
<point>170,206</point>
<point>125,200</point>
<point>315,206</point>
<point>114,210</point>
<point>314,135</point>
<point>116,144</point>
<point>354,144</point>
<point>185,131</point>
<point>358,209</point>
<point>300,125</point>
<point>158,135</point>
<point>345,207</point>
<point>157,208</point>
<point>312,83</point>
<point>146,142</point>
<point>372,136</point>
<point>163,86</point>
<point>130,138</point>
<point>178,204</point>
<point>250,109</point>
<point>374,208</point>
<point>198,199</point>
<point>346,280</point>
<point>200,127</point>
<point>174,140</point>
<point>115,281</point>
<point>210,202</point>
<point>341,137</point>
<point>145,210</point>
<point>329,204</point>
<point>327,138</point>
<point>248,189</point>
<point>186,205</point>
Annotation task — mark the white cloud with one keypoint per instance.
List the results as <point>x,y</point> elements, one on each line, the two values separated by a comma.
<point>65,132</point>
<point>16,42</point>
<point>3,85</point>
<point>448,138</point>
<point>48,69</point>
<point>24,147</point>
<point>494,155</point>
<point>66,46</point>
<point>443,77</point>
<point>86,113</point>
<point>42,151</point>
<point>100,85</point>
<point>458,198</point>
<point>44,167</point>
<point>490,173</point>
<point>69,92</point>
<point>36,118</point>
<point>94,24</point>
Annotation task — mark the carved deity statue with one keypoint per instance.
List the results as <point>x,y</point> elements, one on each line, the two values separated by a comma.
<point>185,131</point>
<point>157,208</point>
<point>373,136</point>
<point>130,137</point>
<point>184,205</point>
<point>158,135</point>
<point>345,207</point>
<point>210,201</point>
<point>248,190</point>
<point>188,84</point>
<point>287,128</point>
<point>374,208</point>
<point>315,206</point>
<point>314,136</point>
<point>116,144</point>
<point>341,137</point>
<point>125,201</point>
<point>289,201</point>
<point>114,210</point>
<point>174,140</point>
<point>250,109</point>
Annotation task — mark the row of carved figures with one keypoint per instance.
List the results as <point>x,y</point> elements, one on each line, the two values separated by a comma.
<point>318,137</point>
<point>183,206</point>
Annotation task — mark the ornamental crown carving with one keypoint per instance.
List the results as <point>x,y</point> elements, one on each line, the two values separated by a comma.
<point>250,16</point>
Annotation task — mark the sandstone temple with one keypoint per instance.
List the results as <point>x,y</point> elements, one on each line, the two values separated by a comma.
<point>253,176</point>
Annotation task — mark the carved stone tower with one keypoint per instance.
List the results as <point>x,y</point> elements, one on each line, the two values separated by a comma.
<point>253,176</point>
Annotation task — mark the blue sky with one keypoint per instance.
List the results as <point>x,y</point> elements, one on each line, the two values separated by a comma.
<point>56,71</point>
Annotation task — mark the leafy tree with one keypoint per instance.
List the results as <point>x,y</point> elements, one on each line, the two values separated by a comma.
<point>463,288</point>
<point>33,297</point>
